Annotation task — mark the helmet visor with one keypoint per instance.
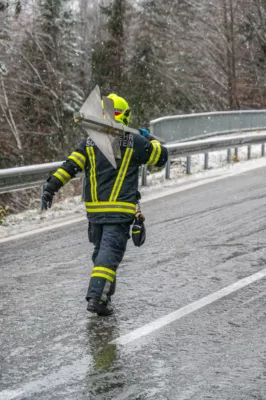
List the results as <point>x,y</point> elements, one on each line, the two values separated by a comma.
<point>119,111</point>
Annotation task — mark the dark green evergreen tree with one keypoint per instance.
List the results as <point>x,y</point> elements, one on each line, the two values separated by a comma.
<point>156,68</point>
<point>50,62</point>
<point>109,48</point>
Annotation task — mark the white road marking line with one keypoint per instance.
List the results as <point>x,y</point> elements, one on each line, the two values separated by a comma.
<point>163,193</point>
<point>167,319</point>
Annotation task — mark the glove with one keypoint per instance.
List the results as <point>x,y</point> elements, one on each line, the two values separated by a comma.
<point>138,230</point>
<point>47,199</point>
<point>144,132</point>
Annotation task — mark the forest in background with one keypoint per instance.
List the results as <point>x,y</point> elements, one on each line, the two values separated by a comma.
<point>165,57</point>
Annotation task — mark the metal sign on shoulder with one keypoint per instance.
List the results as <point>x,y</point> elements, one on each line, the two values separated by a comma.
<point>93,107</point>
<point>98,121</point>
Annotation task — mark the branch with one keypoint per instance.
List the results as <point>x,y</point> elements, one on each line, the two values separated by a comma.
<point>10,120</point>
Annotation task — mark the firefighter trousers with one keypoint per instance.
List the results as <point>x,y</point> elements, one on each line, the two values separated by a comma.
<point>110,241</point>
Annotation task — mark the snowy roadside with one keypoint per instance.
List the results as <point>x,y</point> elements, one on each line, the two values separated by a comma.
<point>72,208</point>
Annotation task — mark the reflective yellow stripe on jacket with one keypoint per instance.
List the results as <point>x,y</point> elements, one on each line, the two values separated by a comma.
<point>112,205</point>
<point>79,159</point>
<point>93,179</point>
<point>109,206</point>
<point>121,174</point>
<point>156,152</point>
<point>62,175</point>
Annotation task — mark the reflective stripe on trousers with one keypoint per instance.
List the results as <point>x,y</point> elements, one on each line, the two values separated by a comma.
<point>110,243</point>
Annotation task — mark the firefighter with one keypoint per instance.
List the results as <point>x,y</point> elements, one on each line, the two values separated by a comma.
<point>111,196</point>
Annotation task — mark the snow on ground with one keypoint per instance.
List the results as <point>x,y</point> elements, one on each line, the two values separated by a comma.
<point>73,208</point>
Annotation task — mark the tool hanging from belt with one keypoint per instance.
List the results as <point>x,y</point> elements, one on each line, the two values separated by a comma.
<point>138,228</point>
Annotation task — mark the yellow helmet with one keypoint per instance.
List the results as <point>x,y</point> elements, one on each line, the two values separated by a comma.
<point>121,108</point>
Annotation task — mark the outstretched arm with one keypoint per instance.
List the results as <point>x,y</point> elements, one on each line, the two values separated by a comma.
<point>74,164</point>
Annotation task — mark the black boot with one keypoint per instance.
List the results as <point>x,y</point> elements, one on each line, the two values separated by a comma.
<point>99,307</point>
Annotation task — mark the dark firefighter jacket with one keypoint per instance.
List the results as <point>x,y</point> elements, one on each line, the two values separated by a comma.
<point>111,194</point>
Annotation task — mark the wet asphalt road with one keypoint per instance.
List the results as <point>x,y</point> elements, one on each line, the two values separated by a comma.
<point>199,241</point>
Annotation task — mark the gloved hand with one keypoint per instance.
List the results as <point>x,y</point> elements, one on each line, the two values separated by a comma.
<point>47,199</point>
<point>139,230</point>
<point>144,132</point>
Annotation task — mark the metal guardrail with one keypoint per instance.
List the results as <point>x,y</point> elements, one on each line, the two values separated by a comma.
<point>187,149</point>
<point>180,127</point>
<point>12,179</point>
<point>222,133</point>
<point>29,176</point>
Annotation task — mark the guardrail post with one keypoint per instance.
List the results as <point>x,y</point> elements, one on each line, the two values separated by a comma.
<point>229,155</point>
<point>144,175</point>
<point>188,166</point>
<point>263,150</point>
<point>206,160</point>
<point>167,169</point>
<point>249,152</point>
<point>42,190</point>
